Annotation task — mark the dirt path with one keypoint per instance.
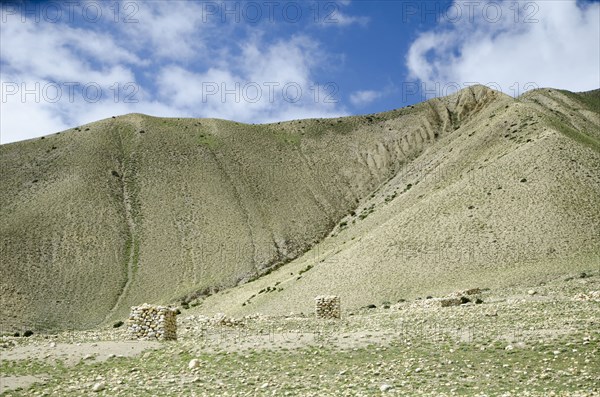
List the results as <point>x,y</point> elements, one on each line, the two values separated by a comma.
<point>18,382</point>
<point>70,354</point>
<point>131,228</point>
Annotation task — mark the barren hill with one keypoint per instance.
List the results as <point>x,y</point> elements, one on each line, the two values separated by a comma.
<point>474,188</point>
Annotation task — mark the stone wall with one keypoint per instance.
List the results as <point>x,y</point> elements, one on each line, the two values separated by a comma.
<point>152,322</point>
<point>328,306</point>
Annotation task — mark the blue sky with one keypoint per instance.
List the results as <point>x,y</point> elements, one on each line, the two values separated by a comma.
<point>65,64</point>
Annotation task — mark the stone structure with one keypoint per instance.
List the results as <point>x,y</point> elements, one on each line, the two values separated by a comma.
<point>328,306</point>
<point>152,322</point>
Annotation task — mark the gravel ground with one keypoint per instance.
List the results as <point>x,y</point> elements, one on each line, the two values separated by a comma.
<point>537,341</point>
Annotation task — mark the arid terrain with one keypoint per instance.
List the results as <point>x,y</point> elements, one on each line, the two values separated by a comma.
<point>542,341</point>
<point>252,222</point>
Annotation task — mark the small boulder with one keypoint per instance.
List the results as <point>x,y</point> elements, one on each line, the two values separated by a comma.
<point>98,387</point>
<point>385,387</point>
<point>447,302</point>
<point>194,363</point>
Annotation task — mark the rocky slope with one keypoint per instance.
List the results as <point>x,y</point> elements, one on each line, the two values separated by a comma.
<point>475,187</point>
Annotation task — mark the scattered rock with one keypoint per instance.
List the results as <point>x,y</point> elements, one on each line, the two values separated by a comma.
<point>592,296</point>
<point>385,387</point>
<point>222,319</point>
<point>532,292</point>
<point>194,363</point>
<point>447,302</point>
<point>98,387</point>
<point>28,333</point>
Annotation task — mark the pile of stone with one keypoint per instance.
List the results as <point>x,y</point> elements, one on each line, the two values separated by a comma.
<point>454,299</point>
<point>468,293</point>
<point>592,296</point>
<point>447,302</point>
<point>220,319</point>
<point>152,322</point>
<point>327,306</point>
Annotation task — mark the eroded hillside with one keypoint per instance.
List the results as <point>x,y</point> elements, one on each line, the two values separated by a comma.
<point>475,187</point>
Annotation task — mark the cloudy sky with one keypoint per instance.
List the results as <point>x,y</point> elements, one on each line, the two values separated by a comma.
<point>64,64</point>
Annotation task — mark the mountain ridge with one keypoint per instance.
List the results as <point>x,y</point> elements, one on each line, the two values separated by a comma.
<point>215,204</point>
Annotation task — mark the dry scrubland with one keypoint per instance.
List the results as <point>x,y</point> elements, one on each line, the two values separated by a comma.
<point>472,189</point>
<point>521,341</point>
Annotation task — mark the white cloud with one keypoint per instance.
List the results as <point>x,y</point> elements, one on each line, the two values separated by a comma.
<point>342,19</point>
<point>330,14</point>
<point>362,98</point>
<point>62,53</point>
<point>166,57</point>
<point>174,30</point>
<point>266,82</point>
<point>21,121</point>
<point>561,49</point>
<point>47,107</point>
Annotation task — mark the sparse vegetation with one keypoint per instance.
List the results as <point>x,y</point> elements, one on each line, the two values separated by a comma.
<point>307,268</point>
<point>217,204</point>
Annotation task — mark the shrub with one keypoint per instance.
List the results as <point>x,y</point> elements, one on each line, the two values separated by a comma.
<point>307,268</point>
